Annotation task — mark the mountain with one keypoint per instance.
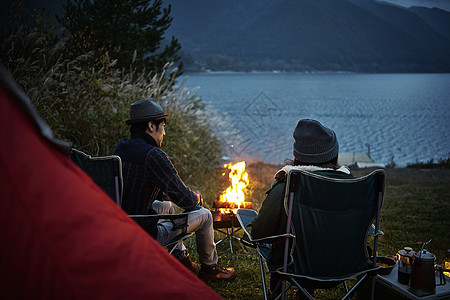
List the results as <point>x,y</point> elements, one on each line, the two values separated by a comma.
<point>436,18</point>
<point>442,4</point>
<point>310,35</point>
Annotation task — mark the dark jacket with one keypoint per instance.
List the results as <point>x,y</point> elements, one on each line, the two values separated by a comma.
<point>147,172</point>
<point>272,216</point>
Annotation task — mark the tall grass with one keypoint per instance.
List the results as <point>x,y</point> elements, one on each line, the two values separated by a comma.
<point>88,105</point>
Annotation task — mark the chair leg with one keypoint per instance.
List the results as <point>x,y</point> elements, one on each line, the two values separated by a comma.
<point>288,286</point>
<point>301,289</point>
<point>237,238</point>
<point>229,238</point>
<point>372,290</point>
<point>354,288</point>
<point>263,277</point>
<point>346,289</point>
<point>283,289</point>
<point>173,248</point>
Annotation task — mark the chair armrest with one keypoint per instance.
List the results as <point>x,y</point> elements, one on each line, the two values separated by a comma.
<point>245,217</point>
<point>274,239</point>
<point>247,242</point>
<point>162,216</point>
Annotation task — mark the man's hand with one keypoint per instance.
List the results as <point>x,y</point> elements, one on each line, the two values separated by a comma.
<point>165,197</point>
<point>199,199</point>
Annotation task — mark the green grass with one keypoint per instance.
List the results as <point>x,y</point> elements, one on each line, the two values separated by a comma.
<point>414,211</point>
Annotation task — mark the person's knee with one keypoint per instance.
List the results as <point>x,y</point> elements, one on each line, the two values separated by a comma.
<point>206,216</point>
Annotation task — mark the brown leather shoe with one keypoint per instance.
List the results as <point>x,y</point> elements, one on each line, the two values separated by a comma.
<point>188,263</point>
<point>216,273</point>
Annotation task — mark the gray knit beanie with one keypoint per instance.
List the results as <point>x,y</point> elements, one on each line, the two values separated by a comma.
<point>314,143</point>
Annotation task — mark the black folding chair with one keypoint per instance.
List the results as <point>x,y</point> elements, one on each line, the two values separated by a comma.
<point>326,239</point>
<point>106,172</point>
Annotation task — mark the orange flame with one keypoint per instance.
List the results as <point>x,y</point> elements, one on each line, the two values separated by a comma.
<point>239,181</point>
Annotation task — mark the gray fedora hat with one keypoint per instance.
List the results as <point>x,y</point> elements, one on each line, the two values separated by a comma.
<point>145,110</point>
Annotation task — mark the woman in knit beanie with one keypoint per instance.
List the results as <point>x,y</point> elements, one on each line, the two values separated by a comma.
<point>315,150</point>
<point>315,144</point>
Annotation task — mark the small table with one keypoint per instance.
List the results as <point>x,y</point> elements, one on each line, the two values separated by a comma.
<point>390,282</point>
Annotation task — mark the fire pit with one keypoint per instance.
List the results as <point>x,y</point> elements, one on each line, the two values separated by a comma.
<point>224,213</point>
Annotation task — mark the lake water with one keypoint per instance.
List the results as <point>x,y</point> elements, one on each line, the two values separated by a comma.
<point>404,117</point>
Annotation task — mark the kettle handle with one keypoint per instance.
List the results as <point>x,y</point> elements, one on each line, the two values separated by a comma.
<point>442,280</point>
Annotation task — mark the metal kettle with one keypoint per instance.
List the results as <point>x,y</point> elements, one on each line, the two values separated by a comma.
<point>422,281</point>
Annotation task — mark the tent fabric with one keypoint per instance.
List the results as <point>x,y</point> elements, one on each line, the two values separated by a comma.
<point>8,83</point>
<point>62,237</point>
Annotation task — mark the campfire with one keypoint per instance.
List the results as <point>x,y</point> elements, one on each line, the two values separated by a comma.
<point>232,198</point>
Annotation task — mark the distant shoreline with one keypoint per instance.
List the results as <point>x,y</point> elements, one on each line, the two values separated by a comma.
<point>282,72</point>
<point>403,173</point>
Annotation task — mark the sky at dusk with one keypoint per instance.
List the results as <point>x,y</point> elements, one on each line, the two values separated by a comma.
<point>54,6</point>
<point>445,4</point>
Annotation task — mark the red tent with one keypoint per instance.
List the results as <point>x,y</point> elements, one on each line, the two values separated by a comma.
<point>62,237</point>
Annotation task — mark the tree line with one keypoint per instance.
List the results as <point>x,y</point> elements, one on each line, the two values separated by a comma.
<point>83,72</point>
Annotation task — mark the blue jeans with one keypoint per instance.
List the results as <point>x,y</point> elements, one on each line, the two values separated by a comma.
<point>200,221</point>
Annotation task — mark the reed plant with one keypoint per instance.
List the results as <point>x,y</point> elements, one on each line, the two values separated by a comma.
<point>88,105</point>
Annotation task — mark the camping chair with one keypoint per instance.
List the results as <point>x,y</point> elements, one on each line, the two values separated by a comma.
<point>106,172</point>
<point>326,239</point>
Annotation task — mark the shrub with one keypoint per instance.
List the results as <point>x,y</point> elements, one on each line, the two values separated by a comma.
<point>442,163</point>
<point>87,106</point>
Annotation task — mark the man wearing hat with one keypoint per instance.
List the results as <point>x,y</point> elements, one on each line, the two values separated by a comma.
<point>315,150</point>
<point>151,183</point>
